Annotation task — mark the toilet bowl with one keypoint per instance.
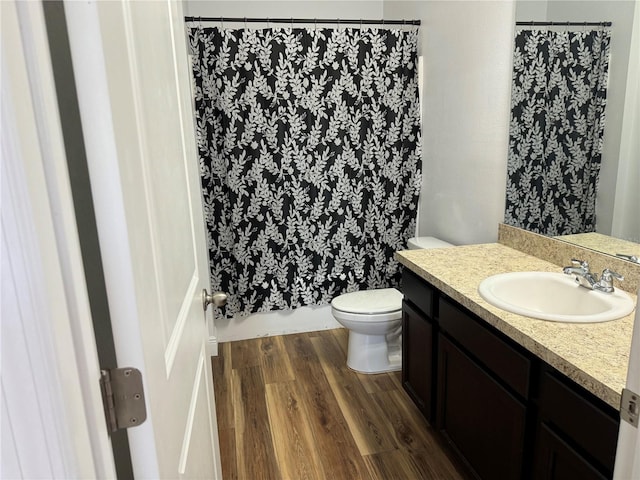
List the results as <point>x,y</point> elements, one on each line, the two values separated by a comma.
<point>374,321</point>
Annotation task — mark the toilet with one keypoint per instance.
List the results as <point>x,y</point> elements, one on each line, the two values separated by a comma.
<point>374,321</point>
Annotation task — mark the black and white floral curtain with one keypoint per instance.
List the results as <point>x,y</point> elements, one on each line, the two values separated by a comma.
<point>309,144</point>
<point>557,123</point>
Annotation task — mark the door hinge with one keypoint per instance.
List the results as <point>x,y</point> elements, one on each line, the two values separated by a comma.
<point>123,398</point>
<point>629,406</point>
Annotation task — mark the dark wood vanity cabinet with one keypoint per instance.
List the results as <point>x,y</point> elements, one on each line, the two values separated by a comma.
<point>507,413</point>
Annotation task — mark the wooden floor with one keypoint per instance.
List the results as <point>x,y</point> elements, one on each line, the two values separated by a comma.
<point>289,408</point>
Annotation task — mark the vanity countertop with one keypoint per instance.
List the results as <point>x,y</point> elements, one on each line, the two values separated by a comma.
<point>594,355</point>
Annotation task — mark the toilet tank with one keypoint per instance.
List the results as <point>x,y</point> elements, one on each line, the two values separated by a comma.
<point>416,243</point>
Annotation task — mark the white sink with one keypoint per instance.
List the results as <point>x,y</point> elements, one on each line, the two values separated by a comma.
<point>553,296</point>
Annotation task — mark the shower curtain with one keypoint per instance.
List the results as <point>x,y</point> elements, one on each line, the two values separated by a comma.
<point>310,160</point>
<point>557,122</point>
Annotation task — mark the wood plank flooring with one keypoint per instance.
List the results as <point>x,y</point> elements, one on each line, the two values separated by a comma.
<point>288,407</point>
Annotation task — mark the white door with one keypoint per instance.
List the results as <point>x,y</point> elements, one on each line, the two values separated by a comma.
<point>131,71</point>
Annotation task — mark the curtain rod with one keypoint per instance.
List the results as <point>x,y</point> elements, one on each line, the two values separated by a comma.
<point>338,21</point>
<point>566,24</point>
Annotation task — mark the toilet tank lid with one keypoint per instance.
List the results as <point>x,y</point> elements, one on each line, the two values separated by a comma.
<point>380,300</point>
<point>427,242</point>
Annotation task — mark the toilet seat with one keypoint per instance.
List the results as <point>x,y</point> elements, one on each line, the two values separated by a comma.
<point>369,302</point>
<point>365,318</point>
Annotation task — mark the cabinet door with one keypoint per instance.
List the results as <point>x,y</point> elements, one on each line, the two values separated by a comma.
<point>417,358</point>
<point>483,421</point>
<point>556,460</point>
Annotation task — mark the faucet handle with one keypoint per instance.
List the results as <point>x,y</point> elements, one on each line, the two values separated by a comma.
<point>606,280</point>
<point>608,275</point>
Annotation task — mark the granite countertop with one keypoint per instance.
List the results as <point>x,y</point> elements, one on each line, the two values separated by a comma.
<point>594,355</point>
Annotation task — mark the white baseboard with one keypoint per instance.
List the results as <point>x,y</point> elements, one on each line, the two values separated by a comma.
<point>304,319</point>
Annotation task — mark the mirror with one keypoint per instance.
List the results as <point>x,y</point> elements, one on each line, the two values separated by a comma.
<point>618,198</point>
<point>617,247</point>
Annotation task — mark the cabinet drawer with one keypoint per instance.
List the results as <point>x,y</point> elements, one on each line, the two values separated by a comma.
<point>587,424</point>
<point>418,292</point>
<point>496,354</point>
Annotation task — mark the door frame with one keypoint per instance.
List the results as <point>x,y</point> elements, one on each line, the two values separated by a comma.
<point>45,268</point>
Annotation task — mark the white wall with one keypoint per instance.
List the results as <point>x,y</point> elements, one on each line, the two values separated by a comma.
<point>527,10</point>
<point>467,60</point>
<point>621,14</point>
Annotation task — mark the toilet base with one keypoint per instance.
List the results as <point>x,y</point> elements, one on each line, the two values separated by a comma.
<point>370,354</point>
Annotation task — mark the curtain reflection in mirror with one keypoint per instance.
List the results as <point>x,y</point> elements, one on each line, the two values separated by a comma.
<point>558,99</point>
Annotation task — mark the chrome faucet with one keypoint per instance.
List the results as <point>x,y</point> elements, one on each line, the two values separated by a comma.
<point>582,273</point>
<point>585,278</point>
